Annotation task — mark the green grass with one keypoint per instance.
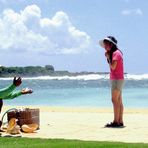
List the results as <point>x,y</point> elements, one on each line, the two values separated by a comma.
<point>61,143</point>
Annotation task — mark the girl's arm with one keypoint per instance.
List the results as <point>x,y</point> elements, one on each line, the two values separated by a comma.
<point>113,65</point>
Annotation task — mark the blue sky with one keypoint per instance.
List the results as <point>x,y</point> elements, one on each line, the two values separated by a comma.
<point>65,33</point>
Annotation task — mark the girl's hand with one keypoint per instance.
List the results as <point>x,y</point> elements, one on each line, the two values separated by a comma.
<point>107,54</point>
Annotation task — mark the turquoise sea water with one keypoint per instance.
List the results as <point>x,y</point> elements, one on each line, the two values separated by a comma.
<point>79,92</point>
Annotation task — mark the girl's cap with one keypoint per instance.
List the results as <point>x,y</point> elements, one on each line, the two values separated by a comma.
<point>110,39</point>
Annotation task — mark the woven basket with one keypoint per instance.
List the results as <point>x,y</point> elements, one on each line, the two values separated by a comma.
<point>25,116</point>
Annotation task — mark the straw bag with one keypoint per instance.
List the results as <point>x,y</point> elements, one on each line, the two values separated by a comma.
<point>25,116</point>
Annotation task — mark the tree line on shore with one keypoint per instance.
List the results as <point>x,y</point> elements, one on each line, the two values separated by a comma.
<point>33,71</point>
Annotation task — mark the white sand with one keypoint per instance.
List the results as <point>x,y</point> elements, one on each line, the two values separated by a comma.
<point>88,124</point>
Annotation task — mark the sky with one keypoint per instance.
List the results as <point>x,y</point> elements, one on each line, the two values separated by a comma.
<point>65,33</point>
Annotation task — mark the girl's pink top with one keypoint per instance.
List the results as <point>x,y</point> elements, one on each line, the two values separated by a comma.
<point>118,73</point>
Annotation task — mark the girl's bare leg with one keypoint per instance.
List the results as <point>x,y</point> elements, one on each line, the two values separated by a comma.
<point>121,109</point>
<point>116,105</point>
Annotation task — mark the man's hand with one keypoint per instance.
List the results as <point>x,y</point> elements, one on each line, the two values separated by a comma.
<point>17,81</point>
<point>26,91</point>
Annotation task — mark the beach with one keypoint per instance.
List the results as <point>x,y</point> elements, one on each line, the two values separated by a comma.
<point>83,123</point>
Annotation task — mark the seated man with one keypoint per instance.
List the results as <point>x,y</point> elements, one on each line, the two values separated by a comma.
<point>7,93</point>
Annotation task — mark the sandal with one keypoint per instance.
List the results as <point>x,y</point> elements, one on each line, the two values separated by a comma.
<point>112,124</point>
<point>122,125</point>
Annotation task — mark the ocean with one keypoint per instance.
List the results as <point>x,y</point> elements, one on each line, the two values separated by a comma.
<point>91,90</point>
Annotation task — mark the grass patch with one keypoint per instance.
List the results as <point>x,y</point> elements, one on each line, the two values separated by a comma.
<point>61,143</point>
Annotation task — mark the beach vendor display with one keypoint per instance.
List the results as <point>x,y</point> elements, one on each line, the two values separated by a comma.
<point>8,93</point>
<point>115,60</point>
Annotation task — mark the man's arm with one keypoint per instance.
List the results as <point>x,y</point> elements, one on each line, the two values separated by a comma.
<point>8,90</point>
<point>19,93</point>
<point>12,95</point>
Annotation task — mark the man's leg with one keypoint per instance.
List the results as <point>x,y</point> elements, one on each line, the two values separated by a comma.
<point>1,105</point>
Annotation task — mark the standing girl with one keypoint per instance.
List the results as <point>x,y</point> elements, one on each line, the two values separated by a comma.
<point>115,60</point>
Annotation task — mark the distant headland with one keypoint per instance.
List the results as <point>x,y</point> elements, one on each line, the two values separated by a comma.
<point>34,71</point>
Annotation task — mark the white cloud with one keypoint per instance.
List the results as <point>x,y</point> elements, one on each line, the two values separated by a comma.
<point>137,11</point>
<point>28,31</point>
<point>8,1</point>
